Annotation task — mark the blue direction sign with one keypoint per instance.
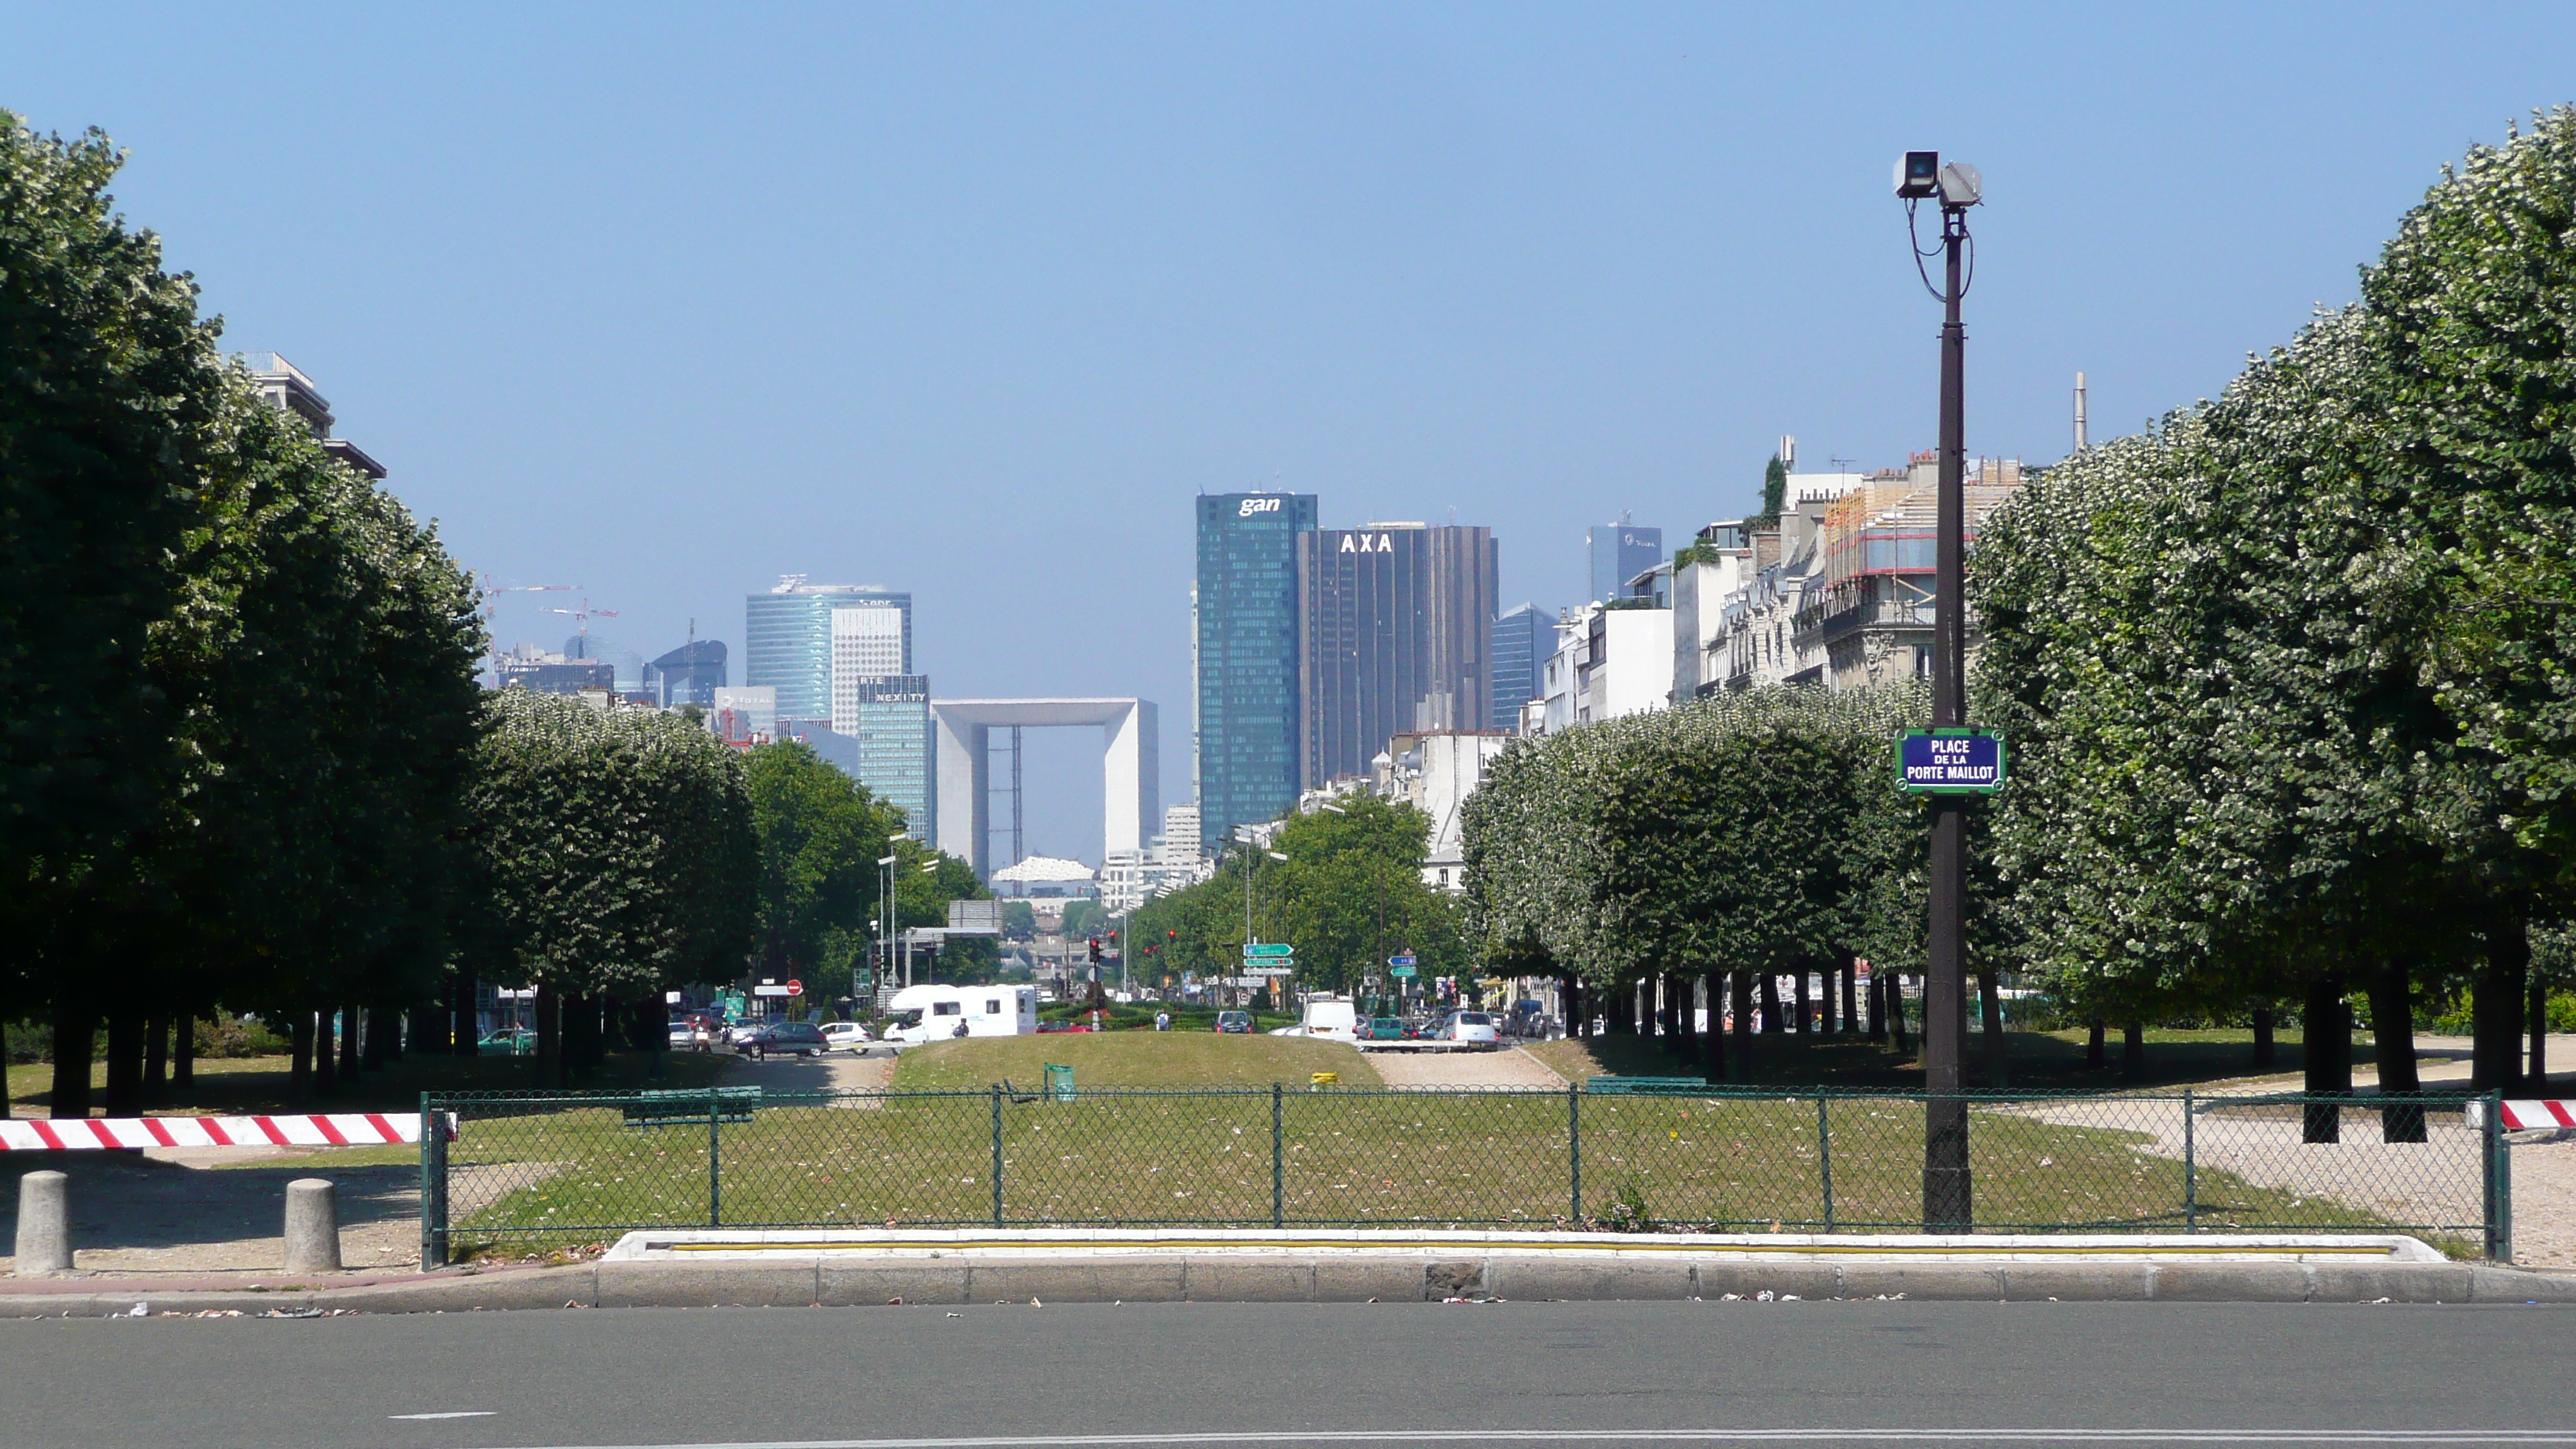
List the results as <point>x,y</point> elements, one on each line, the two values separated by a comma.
<point>1405,959</point>
<point>1950,761</point>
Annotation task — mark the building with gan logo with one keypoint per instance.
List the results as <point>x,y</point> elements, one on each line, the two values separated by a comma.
<point>1394,637</point>
<point>1243,656</point>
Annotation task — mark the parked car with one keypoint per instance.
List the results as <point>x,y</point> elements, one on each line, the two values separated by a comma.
<point>803,1038</point>
<point>846,1035</point>
<point>1236,1022</point>
<point>1473,1030</point>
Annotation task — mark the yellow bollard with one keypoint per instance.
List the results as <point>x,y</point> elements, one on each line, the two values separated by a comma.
<point>1325,1079</point>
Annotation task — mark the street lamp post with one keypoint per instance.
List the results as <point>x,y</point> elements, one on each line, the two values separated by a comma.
<point>1948,1199</point>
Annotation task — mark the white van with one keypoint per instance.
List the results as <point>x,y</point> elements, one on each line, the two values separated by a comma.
<point>1330,1019</point>
<point>921,1014</point>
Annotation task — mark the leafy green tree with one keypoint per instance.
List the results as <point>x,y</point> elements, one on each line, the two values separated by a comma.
<point>1082,918</point>
<point>1775,492</point>
<point>1351,894</point>
<point>821,836</point>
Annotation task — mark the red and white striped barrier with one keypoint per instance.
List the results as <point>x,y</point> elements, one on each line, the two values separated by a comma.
<point>332,1129</point>
<point>2538,1114</point>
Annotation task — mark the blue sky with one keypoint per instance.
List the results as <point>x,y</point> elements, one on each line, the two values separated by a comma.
<point>667,301</point>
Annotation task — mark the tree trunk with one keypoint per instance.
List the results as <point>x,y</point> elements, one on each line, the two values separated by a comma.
<point>2264,1052</point>
<point>550,1067</point>
<point>1800,1024</point>
<point>2328,1059</point>
<point>466,1033</point>
<point>1578,1019</point>
<point>156,1060</point>
<point>2536,1013</point>
<point>1877,1005</point>
<point>124,1063</point>
<point>2133,1050</point>
<point>2496,1006</point>
<point>1998,1058</point>
<point>75,1036</point>
<point>1827,1018</point>
<point>326,1055</point>
<point>375,1050</point>
<point>183,1056</point>
<point>2096,1057</point>
<point>2392,1027</point>
<point>299,1066</point>
<point>1769,985</point>
<point>1712,1042</point>
<point>1851,992</point>
<point>581,1044</point>
<point>350,1026</point>
<point>1896,1011</point>
<point>1742,1028</point>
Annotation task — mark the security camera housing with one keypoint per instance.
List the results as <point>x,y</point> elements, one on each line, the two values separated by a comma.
<point>1918,175</point>
<point>1960,185</point>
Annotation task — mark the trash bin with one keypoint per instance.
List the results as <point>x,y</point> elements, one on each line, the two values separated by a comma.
<point>1059,1082</point>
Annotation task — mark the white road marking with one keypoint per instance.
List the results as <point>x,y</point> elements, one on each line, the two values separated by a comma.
<point>1675,1436</point>
<point>450,1414</point>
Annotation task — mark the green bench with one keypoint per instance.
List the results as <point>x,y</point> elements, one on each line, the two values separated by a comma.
<point>660,1109</point>
<point>1647,1086</point>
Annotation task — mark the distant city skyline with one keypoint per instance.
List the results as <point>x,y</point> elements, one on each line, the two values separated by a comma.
<point>971,300</point>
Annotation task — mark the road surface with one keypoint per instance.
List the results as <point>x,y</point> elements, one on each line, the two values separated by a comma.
<point>1573,1374</point>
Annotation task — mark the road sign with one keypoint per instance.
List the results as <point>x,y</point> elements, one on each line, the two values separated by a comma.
<point>1258,949</point>
<point>1950,761</point>
<point>1404,960</point>
<point>1269,971</point>
<point>795,987</point>
<point>769,991</point>
<point>1401,971</point>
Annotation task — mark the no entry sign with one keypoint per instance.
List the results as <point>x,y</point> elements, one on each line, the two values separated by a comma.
<point>1950,761</point>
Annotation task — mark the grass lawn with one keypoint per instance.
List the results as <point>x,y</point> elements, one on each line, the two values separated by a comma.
<point>1130,1059</point>
<point>244,1086</point>
<point>2052,1060</point>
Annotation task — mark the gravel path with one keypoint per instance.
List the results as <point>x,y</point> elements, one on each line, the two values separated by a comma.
<point>1429,1071</point>
<point>153,1214</point>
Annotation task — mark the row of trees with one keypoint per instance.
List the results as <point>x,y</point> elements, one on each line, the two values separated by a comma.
<point>2289,681</point>
<point>2289,674</point>
<point>1343,884</point>
<point>245,764</point>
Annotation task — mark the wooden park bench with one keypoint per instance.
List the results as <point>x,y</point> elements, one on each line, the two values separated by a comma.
<point>1647,1086</point>
<point>659,1109</point>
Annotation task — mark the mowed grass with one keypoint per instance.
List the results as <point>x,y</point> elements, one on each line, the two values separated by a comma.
<point>1131,1059</point>
<point>1341,1158</point>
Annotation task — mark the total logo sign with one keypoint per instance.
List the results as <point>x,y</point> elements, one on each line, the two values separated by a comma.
<point>1251,506</point>
<point>1368,543</point>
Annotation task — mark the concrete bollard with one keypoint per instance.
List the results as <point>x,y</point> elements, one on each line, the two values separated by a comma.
<point>312,1226</point>
<point>44,1225</point>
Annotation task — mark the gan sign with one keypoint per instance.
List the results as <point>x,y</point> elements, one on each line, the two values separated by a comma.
<point>1950,761</point>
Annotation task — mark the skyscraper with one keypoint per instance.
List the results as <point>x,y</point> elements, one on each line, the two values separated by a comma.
<point>787,641</point>
<point>889,716</point>
<point>1394,636</point>
<point>690,674</point>
<point>1244,656</point>
<point>1523,638</point>
<point>1618,552</point>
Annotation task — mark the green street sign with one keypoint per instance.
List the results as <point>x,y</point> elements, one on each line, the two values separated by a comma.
<point>1401,971</point>
<point>1258,950</point>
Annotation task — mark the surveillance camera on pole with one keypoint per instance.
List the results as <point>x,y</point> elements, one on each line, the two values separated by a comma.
<point>1948,761</point>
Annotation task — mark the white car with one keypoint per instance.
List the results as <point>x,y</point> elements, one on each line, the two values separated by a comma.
<point>1471,1030</point>
<point>845,1036</point>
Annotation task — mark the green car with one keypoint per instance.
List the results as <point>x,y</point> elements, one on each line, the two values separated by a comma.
<point>1385,1028</point>
<point>517,1042</point>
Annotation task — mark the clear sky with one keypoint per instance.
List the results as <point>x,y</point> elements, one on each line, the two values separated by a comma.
<point>669,300</point>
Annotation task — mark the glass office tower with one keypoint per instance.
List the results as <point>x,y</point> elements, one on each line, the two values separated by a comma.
<point>1619,552</point>
<point>1395,625</point>
<point>1244,657</point>
<point>889,715</point>
<point>1523,639</point>
<point>787,642</point>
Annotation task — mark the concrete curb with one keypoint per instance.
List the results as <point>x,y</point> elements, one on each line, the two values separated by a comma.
<point>840,1281</point>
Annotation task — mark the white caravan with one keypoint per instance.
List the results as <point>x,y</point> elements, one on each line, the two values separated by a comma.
<point>1328,1019</point>
<point>921,1014</point>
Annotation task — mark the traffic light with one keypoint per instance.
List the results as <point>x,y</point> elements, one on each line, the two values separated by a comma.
<point>1095,950</point>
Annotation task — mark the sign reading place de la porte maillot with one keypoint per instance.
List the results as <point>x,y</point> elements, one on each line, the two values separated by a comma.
<point>1950,761</point>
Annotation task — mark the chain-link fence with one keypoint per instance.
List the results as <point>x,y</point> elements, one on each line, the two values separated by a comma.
<point>553,1168</point>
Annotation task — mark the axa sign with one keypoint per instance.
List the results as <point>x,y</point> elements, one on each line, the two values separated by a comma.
<point>1251,506</point>
<point>1368,543</point>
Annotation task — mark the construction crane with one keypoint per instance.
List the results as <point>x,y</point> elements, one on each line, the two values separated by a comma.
<point>490,593</point>
<point>583,615</point>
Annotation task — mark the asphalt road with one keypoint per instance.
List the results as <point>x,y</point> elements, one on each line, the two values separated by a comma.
<point>1821,1374</point>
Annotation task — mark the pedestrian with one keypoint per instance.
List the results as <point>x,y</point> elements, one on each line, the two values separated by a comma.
<point>1162,1021</point>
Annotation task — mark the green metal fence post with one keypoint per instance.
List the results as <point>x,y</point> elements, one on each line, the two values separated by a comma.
<point>2190,1168</point>
<point>997,1156</point>
<point>1574,1151</point>
<point>1825,1159</point>
<point>2499,1183</point>
<point>1278,1160</point>
<point>715,1158</point>
<point>433,1186</point>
